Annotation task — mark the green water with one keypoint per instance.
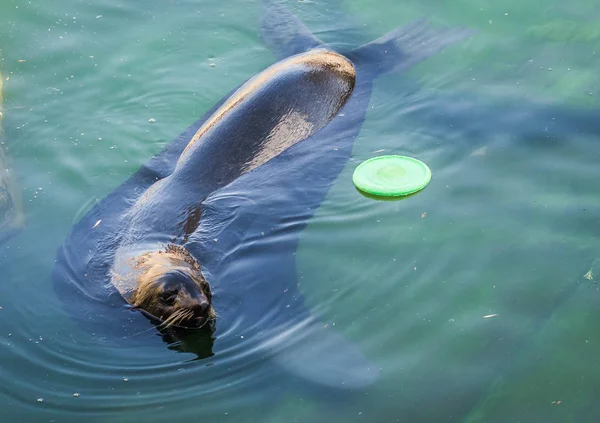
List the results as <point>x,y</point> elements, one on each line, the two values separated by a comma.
<point>508,227</point>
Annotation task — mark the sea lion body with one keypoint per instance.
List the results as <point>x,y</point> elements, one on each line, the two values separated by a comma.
<point>244,216</point>
<point>281,106</point>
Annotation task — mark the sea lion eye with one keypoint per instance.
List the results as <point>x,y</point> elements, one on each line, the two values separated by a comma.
<point>169,296</point>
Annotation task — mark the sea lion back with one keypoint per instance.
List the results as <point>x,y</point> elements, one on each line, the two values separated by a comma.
<point>286,103</point>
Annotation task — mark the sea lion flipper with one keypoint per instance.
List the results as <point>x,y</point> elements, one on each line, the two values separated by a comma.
<point>321,355</point>
<point>284,33</point>
<point>406,46</point>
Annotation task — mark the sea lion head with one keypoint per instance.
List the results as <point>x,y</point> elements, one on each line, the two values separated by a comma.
<point>170,288</point>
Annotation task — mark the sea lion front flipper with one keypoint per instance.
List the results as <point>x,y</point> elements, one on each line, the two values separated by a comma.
<point>284,33</point>
<point>321,355</point>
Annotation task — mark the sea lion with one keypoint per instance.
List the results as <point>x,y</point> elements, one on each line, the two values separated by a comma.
<point>281,106</point>
<point>248,208</point>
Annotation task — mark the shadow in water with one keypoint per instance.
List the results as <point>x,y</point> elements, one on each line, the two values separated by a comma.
<point>199,342</point>
<point>384,198</point>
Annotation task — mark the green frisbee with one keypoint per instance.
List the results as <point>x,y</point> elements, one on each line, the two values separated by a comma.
<point>391,176</point>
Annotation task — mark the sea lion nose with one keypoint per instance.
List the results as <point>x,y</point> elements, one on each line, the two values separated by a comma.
<point>202,307</point>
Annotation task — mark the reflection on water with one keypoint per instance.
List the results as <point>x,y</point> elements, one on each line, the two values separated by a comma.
<point>507,227</point>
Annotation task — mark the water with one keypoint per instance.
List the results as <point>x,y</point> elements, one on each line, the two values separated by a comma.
<point>507,228</point>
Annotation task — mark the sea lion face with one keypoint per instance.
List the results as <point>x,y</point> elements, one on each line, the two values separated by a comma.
<point>171,289</point>
<point>178,300</point>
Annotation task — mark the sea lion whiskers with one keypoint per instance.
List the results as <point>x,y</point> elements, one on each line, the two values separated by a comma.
<point>139,333</point>
<point>170,322</point>
<point>176,318</point>
<point>181,316</point>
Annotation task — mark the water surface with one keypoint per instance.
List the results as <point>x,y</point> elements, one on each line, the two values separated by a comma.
<point>508,226</point>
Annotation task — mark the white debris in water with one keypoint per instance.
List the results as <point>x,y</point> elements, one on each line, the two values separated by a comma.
<point>482,151</point>
<point>40,400</point>
<point>76,394</point>
<point>125,379</point>
<point>490,315</point>
<point>152,120</point>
